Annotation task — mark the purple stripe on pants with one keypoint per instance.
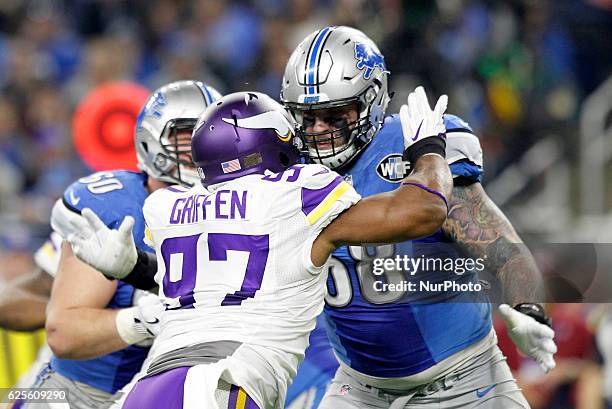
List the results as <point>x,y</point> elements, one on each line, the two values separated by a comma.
<point>250,403</point>
<point>233,396</point>
<point>164,390</point>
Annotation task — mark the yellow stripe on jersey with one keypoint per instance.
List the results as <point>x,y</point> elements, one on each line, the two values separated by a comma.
<point>241,399</point>
<point>327,204</point>
<point>148,234</point>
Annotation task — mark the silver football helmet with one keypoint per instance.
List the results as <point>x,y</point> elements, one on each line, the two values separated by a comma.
<point>335,67</point>
<point>170,109</point>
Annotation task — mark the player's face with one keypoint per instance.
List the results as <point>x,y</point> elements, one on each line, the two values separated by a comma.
<point>329,128</point>
<point>180,143</point>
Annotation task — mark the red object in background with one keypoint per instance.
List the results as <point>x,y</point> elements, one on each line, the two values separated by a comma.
<point>103,125</point>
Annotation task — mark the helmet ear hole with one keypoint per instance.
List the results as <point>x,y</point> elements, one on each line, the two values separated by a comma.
<point>145,146</point>
<point>284,159</point>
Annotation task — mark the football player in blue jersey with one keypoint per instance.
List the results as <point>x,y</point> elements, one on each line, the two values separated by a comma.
<point>395,349</point>
<point>99,329</point>
<point>213,354</point>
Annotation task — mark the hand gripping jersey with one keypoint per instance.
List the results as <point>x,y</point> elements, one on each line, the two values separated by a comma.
<point>397,334</point>
<point>234,265</point>
<point>112,196</point>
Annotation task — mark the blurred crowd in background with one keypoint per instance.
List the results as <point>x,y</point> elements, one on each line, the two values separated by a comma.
<point>515,70</point>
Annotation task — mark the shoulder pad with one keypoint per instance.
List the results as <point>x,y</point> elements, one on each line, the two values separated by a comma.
<point>463,146</point>
<point>453,123</point>
<point>62,217</point>
<point>111,195</point>
<point>315,176</point>
<point>324,194</point>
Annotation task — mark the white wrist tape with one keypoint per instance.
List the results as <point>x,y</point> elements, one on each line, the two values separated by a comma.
<point>129,327</point>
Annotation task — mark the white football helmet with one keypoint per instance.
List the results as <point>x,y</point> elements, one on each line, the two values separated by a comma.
<point>336,67</point>
<point>171,108</point>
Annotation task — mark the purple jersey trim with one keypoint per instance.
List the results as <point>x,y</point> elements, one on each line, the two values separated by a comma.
<point>311,198</point>
<point>433,191</point>
<point>176,189</point>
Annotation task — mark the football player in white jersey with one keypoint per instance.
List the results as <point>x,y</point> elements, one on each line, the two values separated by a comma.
<point>97,328</point>
<point>240,258</point>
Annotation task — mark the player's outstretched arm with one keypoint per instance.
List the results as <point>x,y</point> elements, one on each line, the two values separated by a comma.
<point>79,326</point>
<point>419,206</point>
<point>407,213</point>
<point>23,301</point>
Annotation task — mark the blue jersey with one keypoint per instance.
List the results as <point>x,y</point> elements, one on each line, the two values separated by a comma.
<point>397,334</point>
<point>112,196</point>
<point>315,372</point>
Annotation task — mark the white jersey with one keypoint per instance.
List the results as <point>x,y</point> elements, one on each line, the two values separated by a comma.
<point>234,264</point>
<point>47,257</point>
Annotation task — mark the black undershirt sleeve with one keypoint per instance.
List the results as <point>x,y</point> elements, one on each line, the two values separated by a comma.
<point>143,274</point>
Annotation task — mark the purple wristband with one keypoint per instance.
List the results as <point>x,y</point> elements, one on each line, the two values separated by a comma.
<point>435,192</point>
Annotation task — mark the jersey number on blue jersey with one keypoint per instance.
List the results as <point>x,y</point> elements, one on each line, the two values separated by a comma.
<point>101,182</point>
<point>340,286</point>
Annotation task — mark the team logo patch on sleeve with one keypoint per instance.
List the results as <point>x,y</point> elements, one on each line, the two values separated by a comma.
<point>392,168</point>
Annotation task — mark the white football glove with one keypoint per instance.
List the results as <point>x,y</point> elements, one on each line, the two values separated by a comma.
<point>418,120</point>
<point>110,251</point>
<point>530,337</point>
<point>140,324</point>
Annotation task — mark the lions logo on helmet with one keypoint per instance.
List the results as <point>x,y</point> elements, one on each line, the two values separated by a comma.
<point>368,58</point>
<point>153,107</point>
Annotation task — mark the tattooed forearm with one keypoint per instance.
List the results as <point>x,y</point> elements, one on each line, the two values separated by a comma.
<point>482,230</point>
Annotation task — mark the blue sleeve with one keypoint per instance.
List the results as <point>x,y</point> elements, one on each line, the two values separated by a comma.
<point>466,170</point>
<point>453,124</point>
